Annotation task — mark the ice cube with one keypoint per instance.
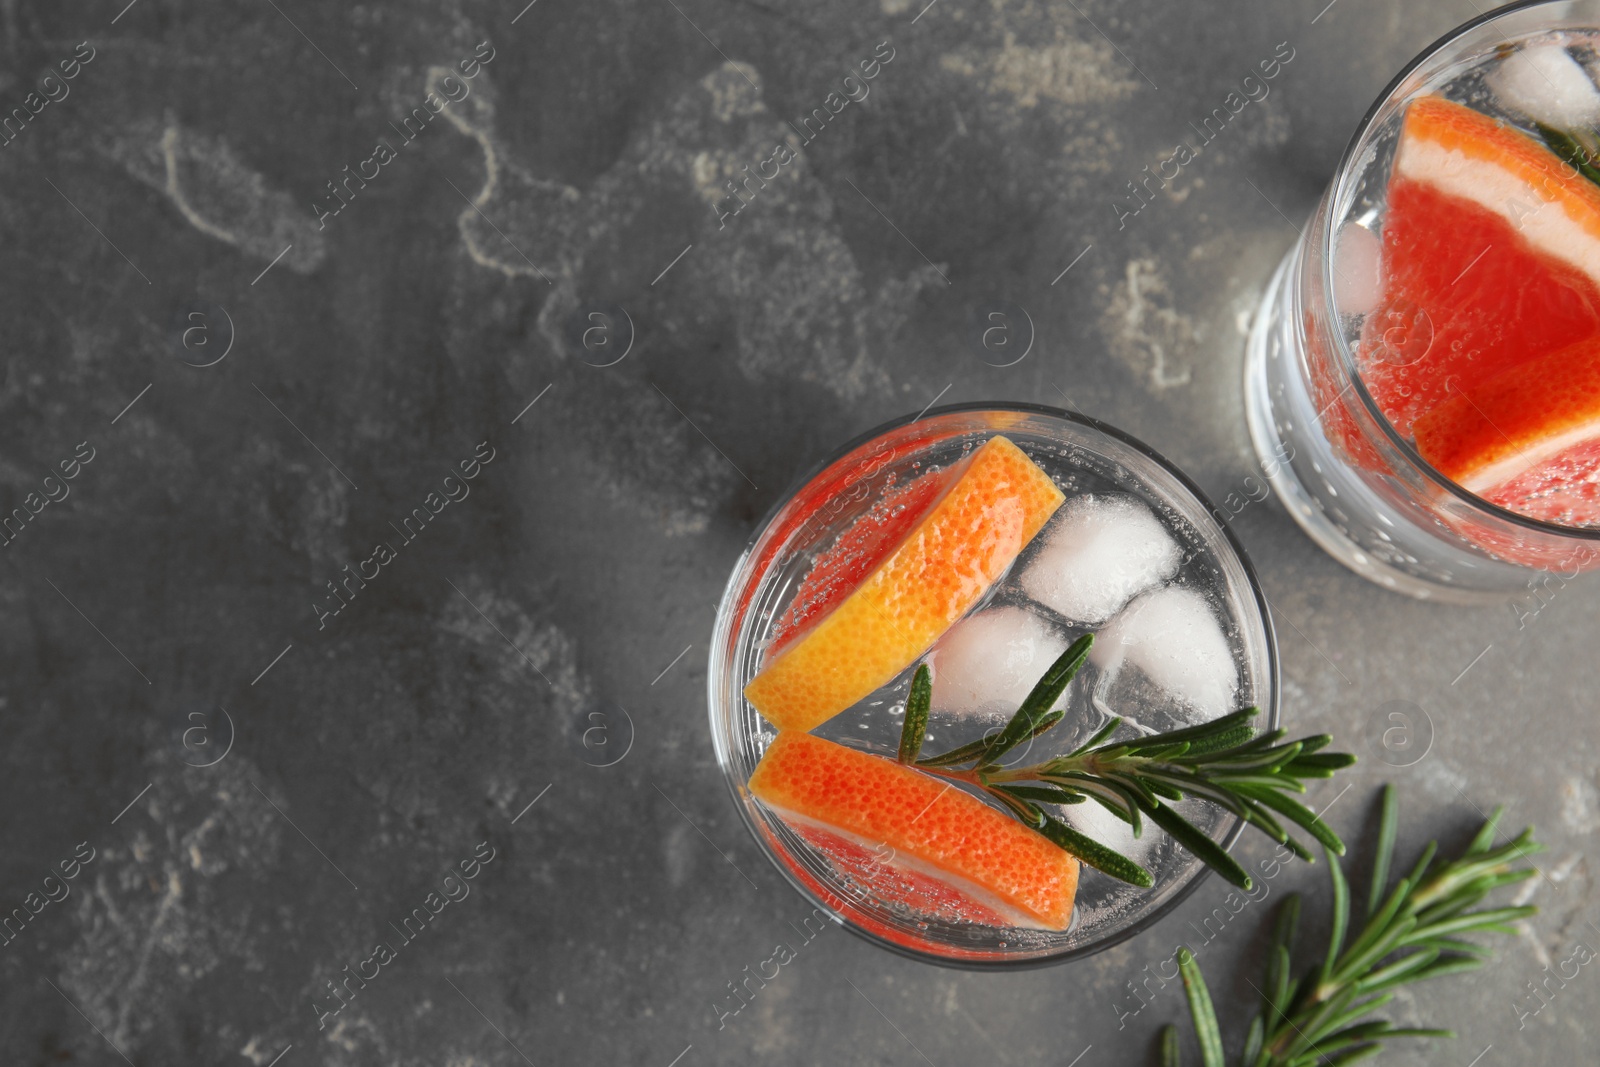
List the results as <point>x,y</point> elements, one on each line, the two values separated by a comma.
<point>1545,83</point>
<point>991,660</point>
<point>1099,552</point>
<point>1173,638</point>
<point>1357,275</point>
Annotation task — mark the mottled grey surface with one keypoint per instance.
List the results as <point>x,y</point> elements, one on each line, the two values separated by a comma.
<point>372,350</point>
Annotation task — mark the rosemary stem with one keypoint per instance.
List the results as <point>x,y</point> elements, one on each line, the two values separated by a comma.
<point>1088,763</point>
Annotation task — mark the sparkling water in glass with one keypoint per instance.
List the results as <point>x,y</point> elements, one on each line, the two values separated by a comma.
<point>1356,483</point>
<point>1187,639</point>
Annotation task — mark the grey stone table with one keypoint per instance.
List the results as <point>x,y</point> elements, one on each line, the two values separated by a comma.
<point>284,282</point>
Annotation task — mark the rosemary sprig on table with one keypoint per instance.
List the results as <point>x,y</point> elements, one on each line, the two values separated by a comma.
<point>1412,932</point>
<point>1222,762</point>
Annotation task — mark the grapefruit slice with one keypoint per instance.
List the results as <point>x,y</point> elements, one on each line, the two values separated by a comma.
<point>993,503</point>
<point>1491,258</point>
<point>853,555</point>
<point>1511,427</point>
<point>947,851</point>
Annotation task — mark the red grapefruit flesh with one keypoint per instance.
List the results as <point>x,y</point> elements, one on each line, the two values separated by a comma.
<point>1524,435</point>
<point>1491,258</point>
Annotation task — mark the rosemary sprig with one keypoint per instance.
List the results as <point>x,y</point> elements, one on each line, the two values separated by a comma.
<point>1413,931</point>
<point>1578,149</point>
<point>1223,762</point>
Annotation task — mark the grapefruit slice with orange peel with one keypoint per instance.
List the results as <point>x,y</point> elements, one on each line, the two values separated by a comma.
<point>839,569</point>
<point>1491,258</point>
<point>993,503</point>
<point>1510,428</point>
<point>946,849</point>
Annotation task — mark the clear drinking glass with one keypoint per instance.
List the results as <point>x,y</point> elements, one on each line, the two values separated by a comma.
<point>1356,485</point>
<point>1082,456</point>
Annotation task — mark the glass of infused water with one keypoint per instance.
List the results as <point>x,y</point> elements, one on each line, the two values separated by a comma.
<point>1423,376</point>
<point>1126,548</point>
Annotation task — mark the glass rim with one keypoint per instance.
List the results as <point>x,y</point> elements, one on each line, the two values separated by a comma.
<point>720,636</point>
<point>1342,175</point>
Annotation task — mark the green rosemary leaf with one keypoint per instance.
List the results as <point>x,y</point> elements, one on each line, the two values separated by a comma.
<point>1382,920</point>
<point>1196,733</point>
<point>1099,789</point>
<point>1361,1034</point>
<point>1026,722</point>
<point>1315,743</point>
<point>1048,794</point>
<point>1455,944</point>
<point>1099,736</point>
<point>1388,826</point>
<point>1275,998</point>
<point>1341,917</point>
<point>1211,790</point>
<point>1352,1008</point>
<point>1171,1056</point>
<point>1201,1010</point>
<point>916,724</point>
<point>1165,754</point>
<point>1493,880</point>
<point>968,752</point>
<point>1025,810</point>
<point>1398,972</point>
<point>1323,1019</point>
<point>1276,1001</point>
<point>1234,805</point>
<point>1095,854</point>
<point>1227,739</point>
<point>1266,740</point>
<point>1163,790</point>
<point>1490,919</point>
<point>1449,965</point>
<point>1049,719</point>
<point>1424,861</point>
<point>1131,801</point>
<point>1287,923</point>
<point>1329,1050</point>
<point>1238,782</point>
<point>1253,1040</point>
<point>1299,851</point>
<point>1262,820</point>
<point>1321,764</point>
<point>1135,787</point>
<point>1485,835</point>
<point>1206,850</point>
<point>1301,816</point>
<point>1377,948</point>
<point>1265,761</point>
